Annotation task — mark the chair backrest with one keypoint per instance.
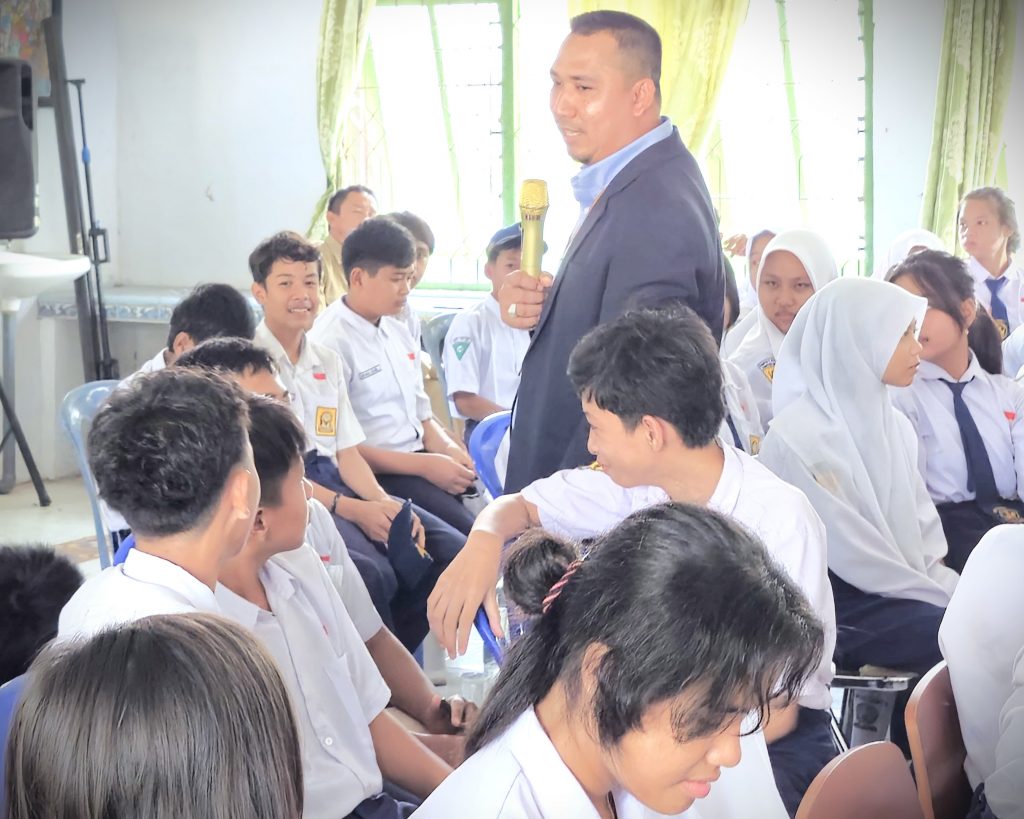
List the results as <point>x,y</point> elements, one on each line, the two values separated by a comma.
<point>483,447</point>
<point>866,781</point>
<point>10,693</point>
<point>76,413</point>
<point>937,747</point>
<point>434,331</point>
<point>123,548</point>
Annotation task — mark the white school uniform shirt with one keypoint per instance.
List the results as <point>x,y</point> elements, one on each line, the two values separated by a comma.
<point>585,502</point>
<point>323,536</point>
<point>483,355</point>
<point>520,775</point>
<point>757,353</point>
<point>1011,294</point>
<point>334,686</point>
<point>739,331</point>
<point>997,406</point>
<point>319,394</point>
<point>141,586</point>
<point>381,367</point>
<point>411,319</point>
<point>982,639</point>
<point>741,405</point>
<point>837,437</point>
<point>1013,353</point>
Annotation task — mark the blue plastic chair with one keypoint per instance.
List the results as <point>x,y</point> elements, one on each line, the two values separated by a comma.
<point>76,413</point>
<point>483,448</point>
<point>10,693</point>
<point>434,332</point>
<point>122,550</point>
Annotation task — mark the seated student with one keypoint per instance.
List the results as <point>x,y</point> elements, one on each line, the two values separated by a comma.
<point>35,583</point>
<point>982,639</point>
<point>795,264</point>
<point>746,319</point>
<point>284,270</point>
<point>628,694</point>
<point>987,222</point>
<point>209,311</point>
<point>171,453</point>
<point>903,247</point>
<point>742,425</point>
<point>969,418</point>
<point>181,715</point>
<point>424,238</point>
<point>412,455</point>
<point>278,587</point>
<point>482,355</point>
<point>654,439</point>
<point>347,209</point>
<point>837,437</point>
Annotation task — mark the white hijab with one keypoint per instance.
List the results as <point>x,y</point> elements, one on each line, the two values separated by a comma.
<point>901,246</point>
<point>852,452</point>
<point>756,354</point>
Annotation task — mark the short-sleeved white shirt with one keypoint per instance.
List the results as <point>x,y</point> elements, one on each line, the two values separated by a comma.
<point>741,404</point>
<point>483,355</point>
<point>141,586</point>
<point>334,686</point>
<point>323,536</point>
<point>319,395</point>
<point>585,502</point>
<point>381,367</point>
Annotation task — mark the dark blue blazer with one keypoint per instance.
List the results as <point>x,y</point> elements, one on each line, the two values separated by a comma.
<point>651,239</point>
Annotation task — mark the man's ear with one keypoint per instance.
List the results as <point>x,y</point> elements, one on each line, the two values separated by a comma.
<point>969,311</point>
<point>259,292</point>
<point>259,524</point>
<point>237,493</point>
<point>183,342</point>
<point>644,96</point>
<point>654,432</point>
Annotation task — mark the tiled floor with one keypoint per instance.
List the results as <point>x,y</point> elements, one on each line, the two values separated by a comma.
<point>65,523</point>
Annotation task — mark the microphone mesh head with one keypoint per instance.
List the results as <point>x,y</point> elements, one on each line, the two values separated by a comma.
<point>533,199</point>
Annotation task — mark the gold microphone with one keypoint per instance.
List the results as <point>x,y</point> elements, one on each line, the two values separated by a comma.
<point>533,204</point>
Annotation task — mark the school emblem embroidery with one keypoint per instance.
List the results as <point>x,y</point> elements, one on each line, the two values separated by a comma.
<point>1007,515</point>
<point>1003,328</point>
<point>768,368</point>
<point>755,444</point>
<point>460,345</point>
<point>326,420</point>
<point>595,466</point>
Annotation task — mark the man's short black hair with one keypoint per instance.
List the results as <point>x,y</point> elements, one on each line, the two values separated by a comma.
<point>637,40</point>
<point>35,583</point>
<point>662,363</point>
<point>285,246</point>
<point>417,226</point>
<point>162,448</point>
<point>211,310</point>
<point>339,196</point>
<point>376,243</point>
<point>235,355</point>
<point>277,439</point>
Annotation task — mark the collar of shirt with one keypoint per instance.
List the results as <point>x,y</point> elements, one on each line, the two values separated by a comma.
<point>980,274</point>
<point>727,492</point>
<point>364,328</point>
<point>588,184</point>
<point>933,372</point>
<point>276,583</point>
<point>156,363</point>
<point>147,568</point>
<point>263,337</point>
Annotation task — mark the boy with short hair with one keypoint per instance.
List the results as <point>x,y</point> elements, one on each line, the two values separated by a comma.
<point>424,238</point>
<point>171,452</point>
<point>650,384</point>
<point>346,210</point>
<point>482,354</point>
<point>278,587</point>
<point>412,455</point>
<point>285,270</point>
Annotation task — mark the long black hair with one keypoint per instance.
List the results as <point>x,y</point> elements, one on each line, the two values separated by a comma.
<point>946,284</point>
<point>681,599</point>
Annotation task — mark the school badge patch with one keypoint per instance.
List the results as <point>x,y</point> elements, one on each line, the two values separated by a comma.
<point>1007,515</point>
<point>768,368</point>
<point>755,444</point>
<point>1003,328</point>
<point>326,420</point>
<point>460,345</point>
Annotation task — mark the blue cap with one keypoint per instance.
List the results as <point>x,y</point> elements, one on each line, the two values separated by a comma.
<point>511,236</point>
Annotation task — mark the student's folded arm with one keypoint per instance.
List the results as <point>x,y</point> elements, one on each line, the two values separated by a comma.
<point>475,406</point>
<point>390,462</point>
<point>470,579</point>
<point>403,759</point>
<point>358,476</point>
<point>411,690</point>
<point>436,438</point>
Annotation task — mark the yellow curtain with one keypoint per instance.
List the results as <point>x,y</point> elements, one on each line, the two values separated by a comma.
<point>974,86</point>
<point>696,39</point>
<point>344,31</point>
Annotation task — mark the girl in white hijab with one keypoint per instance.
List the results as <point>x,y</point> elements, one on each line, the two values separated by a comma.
<point>795,264</point>
<point>906,244</point>
<point>837,437</point>
<point>753,251</point>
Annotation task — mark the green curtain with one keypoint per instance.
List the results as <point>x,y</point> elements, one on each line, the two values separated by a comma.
<point>697,38</point>
<point>344,31</point>
<point>974,85</point>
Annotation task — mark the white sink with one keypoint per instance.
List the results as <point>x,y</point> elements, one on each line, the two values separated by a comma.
<point>26,275</point>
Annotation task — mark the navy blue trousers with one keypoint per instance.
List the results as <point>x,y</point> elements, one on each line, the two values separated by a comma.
<point>404,611</point>
<point>964,524</point>
<point>799,756</point>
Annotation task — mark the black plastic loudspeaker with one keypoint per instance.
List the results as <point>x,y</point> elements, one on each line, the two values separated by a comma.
<point>18,213</point>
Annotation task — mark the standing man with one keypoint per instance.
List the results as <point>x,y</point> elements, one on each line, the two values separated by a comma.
<point>346,211</point>
<point>646,235</point>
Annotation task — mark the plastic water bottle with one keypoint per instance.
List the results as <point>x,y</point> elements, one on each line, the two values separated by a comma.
<point>473,674</point>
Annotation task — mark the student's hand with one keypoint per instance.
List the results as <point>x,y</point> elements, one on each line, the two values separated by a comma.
<point>736,245</point>
<point>522,298</point>
<point>467,583</point>
<point>462,456</point>
<point>374,518</point>
<point>447,473</point>
<point>419,534</point>
<point>449,716</point>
